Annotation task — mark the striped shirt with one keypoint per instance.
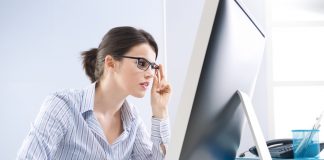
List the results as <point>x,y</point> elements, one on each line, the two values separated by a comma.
<point>66,128</point>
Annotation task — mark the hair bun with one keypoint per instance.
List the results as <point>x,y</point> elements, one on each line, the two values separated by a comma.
<point>89,63</point>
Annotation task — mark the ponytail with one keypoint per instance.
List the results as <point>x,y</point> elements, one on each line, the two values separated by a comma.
<point>89,63</point>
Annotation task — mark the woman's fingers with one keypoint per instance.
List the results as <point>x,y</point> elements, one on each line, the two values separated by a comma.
<point>156,81</point>
<point>162,72</point>
<point>155,84</point>
<point>160,84</point>
<point>164,88</point>
<point>157,73</point>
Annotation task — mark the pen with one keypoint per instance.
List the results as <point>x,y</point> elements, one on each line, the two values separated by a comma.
<point>304,143</point>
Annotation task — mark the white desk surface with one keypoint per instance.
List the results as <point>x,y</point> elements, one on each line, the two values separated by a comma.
<point>247,158</point>
<point>251,157</point>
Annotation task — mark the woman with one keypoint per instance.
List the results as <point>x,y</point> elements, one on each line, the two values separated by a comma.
<point>97,122</point>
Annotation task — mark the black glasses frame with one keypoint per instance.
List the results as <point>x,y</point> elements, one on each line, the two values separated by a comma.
<point>152,64</point>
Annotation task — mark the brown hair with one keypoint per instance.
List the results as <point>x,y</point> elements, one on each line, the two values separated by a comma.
<point>118,41</point>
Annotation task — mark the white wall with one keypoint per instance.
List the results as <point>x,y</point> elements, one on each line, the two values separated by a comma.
<point>40,45</point>
<point>183,18</point>
<point>41,41</point>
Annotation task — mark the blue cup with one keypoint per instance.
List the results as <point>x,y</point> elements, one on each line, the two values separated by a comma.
<point>306,144</point>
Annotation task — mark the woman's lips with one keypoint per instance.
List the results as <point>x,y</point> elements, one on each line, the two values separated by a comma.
<point>144,85</point>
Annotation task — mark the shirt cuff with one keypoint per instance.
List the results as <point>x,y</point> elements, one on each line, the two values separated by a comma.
<point>160,130</point>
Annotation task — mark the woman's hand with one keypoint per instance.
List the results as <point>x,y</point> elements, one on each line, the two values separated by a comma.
<point>160,93</point>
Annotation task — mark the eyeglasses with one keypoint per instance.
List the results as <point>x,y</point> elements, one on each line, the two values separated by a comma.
<point>142,63</point>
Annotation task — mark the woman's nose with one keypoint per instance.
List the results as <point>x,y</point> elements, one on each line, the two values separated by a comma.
<point>149,73</point>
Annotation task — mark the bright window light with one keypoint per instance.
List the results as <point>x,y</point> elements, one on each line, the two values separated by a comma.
<point>297,108</point>
<point>297,10</point>
<point>298,53</point>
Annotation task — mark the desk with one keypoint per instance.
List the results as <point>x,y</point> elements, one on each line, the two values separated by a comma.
<point>276,159</point>
<point>256,158</point>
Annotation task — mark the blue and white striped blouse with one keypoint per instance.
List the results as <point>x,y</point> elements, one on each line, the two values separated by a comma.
<point>66,128</point>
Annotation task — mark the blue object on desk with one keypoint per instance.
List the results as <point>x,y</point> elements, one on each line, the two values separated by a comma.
<point>282,149</point>
<point>306,143</point>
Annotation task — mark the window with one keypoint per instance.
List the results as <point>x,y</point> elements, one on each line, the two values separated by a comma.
<point>297,55</point>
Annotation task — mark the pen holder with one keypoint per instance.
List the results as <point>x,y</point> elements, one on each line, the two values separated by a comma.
<point>306,144</point>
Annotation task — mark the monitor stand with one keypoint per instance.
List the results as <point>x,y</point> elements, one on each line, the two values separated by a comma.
<point>256,131</point>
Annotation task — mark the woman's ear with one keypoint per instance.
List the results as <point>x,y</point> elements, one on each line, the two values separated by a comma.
<point>110,62</point>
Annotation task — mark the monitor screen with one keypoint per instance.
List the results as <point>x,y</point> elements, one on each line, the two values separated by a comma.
<point>231,62</point>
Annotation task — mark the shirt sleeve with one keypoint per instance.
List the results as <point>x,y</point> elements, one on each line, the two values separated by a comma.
<point>146,147</point>
<point>47,130</point>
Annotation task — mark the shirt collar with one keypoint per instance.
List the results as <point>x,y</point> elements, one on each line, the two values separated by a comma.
<point>128,115</point>
<point>88,98</point>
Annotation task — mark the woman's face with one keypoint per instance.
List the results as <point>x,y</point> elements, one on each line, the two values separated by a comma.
<point>132,79</point>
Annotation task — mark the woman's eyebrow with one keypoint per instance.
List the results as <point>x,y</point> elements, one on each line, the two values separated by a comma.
<point>148,59</point>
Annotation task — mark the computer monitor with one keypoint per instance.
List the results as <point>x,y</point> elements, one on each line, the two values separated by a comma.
<point>227,53</point>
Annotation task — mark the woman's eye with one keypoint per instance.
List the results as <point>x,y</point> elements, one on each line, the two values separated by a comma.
<point>142,63</point>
